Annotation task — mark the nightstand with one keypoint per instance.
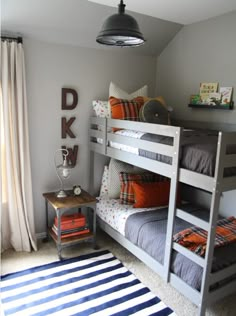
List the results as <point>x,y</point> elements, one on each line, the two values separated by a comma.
<point>60,206</point>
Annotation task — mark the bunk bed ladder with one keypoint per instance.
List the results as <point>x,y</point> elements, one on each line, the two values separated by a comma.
<point>205,263</point>
<point>172,204</point>
<point>215,201</point>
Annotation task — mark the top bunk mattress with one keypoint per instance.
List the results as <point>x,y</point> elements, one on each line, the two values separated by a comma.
<point>197,157</point>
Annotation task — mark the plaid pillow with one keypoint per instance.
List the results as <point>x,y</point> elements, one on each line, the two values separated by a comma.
<point>127,179</point>
<point>122,109</point>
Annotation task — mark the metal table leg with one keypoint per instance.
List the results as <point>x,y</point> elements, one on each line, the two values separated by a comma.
<point>59,247</point>
<point>95,246</point>
<point>46,239</point>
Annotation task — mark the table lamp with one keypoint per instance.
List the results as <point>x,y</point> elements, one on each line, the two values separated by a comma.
<point>63,170</point>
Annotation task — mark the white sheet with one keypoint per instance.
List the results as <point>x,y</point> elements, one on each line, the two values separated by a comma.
<point>127,133</point>
<point>116,214</point>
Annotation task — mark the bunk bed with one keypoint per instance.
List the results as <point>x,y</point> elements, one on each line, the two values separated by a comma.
<point>215,283</point>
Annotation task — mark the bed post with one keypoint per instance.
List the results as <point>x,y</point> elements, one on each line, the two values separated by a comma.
<point>91,172</point>
<point>201,309</point>
<point>172,203</point>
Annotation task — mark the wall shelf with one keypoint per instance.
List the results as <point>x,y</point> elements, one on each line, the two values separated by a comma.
<point>213,107</point>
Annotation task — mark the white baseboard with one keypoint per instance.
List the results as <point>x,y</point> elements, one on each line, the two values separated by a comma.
<point>41,235</point>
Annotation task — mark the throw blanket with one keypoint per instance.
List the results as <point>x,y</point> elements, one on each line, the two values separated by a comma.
<point>195,238</point>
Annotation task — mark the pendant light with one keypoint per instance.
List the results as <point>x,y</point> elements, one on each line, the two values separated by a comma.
<point>120,29</point>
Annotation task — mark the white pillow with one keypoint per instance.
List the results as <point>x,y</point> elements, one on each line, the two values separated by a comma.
<point>117,92</point>
<point>104,183</point>
<point>102,108</point>
<point>115,167</point>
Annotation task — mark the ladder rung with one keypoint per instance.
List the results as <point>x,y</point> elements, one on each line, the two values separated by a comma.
<point>189,254</point>
<point>196,221</point>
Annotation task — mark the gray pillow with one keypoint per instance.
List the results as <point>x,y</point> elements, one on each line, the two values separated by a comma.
<point>115,167</point>
<point>153,111</point>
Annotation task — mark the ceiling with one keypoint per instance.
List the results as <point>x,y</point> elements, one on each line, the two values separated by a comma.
<point>179,11</point>
<point>77,22</point>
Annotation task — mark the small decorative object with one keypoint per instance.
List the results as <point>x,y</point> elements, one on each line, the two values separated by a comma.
<point>76,189</point>
<point>226,93</point>
<point>154,111</point>
<point>195,99</point>
<point>206,88</point>
<point>63,170</point>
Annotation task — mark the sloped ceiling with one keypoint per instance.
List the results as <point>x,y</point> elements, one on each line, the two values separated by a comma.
<point>77,22</point>
<point>179,11</point>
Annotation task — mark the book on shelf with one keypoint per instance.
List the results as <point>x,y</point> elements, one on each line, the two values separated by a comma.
<point>206,88</point>
<point>66,231</point>
<point>214,98</point>
<point>71,232</point>
<point>226,93</point>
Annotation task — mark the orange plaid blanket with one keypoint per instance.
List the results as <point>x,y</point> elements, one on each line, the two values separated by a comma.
<point>195,238</point>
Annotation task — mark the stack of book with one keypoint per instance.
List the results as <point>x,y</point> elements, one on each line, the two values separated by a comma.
<point>71,225</point>
<point>209,95</point>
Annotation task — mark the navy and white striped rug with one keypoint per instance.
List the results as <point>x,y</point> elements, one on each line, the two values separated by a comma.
<point>94,284</point>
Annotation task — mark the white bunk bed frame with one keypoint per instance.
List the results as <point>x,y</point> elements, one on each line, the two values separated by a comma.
<point>100,128</point>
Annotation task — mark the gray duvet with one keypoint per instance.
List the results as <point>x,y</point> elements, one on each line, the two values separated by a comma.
<point>147,230</point>
<point>195,157</point>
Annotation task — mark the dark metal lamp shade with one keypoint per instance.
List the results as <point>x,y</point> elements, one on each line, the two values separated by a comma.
<point>120,30</point>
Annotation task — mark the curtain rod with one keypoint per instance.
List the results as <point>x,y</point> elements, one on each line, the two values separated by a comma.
<point>9,38</point>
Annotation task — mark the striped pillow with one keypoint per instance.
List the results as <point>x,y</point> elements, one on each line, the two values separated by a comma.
<point>127,195</point>
<point>123,109</point>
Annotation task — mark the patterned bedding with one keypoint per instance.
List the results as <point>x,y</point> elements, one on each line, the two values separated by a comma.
<point>116,214</point>
<point>195,238</point>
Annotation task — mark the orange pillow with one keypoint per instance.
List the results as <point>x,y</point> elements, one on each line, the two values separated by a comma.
<point>127,179</point>
<point>122,109</point>
<point>152,194</point>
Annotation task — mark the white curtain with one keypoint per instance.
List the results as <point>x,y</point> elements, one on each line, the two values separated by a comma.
<point>16,199</point>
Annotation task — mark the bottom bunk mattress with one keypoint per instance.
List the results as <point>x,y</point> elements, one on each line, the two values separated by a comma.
<point>146,228</point>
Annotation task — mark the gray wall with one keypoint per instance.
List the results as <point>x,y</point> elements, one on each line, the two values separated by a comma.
<point>201,52</point>
<point>50,67</point>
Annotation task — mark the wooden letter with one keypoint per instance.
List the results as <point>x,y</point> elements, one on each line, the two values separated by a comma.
<point>65,127</point>
<point>64,105</point>
<point>72,157</point>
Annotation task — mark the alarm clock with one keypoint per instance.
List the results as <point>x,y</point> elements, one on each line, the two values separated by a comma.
<point>76,189</point>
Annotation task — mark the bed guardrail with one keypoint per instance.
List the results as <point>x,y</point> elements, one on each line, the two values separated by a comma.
<point>101,136</point>
<point>228,161</point>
